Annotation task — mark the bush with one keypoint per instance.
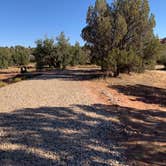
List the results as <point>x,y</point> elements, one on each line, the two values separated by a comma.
<point>59,53</point>
<point>162,56</point>
<point>15,80</point>
<point>5,58</point>
<point>79,55</point>
<point>14,56</point>
<point>20,56</point>
<point>162,60</point>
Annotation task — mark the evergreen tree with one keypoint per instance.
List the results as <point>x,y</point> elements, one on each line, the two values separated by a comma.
<point>121,35</point>
<point>20,56</point>
<point>162,55</point>
<point>49,52</point>
<point>45,53</point>
<point>63,51</point>
<point>5,57</point>
<point>79,56</point>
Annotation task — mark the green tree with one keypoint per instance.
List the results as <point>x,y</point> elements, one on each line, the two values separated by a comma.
<point>79,55</point>
<point>5,57</point>
<point>63,51</point>
<point>20,56</point>
<point>121,35</point>
<point>45,53</point>
<point>17,56</point>
<point>49,52</point>
<point>162,56</point>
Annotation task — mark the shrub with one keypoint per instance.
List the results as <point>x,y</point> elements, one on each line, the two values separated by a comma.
<point>162,56</point>
<point>2,84</point>
<point>53,54</point>
<point>17,80</point>
<point>14,56</point>
<point>79,55</point>
<point>20,56</point>
<point>5,58</point>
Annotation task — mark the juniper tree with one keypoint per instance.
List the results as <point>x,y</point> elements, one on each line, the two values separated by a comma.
<point>5,57</point>
<point>20,56</point>
<point>120,34</point>
<point>162,56</point>
<point>49,52</point>
<point>78,55</point>
<point>45,53</point>
<point>14,56</point>
<point>63,51</point>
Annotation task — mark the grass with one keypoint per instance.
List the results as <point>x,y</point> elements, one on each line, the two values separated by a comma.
<point>2,84</point>
<point>12,75</point>
<point>15,80</point>
<point>18,78</point>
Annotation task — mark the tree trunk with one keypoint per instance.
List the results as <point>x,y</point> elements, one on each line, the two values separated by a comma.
<point>117,72</point>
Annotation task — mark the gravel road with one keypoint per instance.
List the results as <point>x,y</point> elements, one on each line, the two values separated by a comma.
<point>52,121</point>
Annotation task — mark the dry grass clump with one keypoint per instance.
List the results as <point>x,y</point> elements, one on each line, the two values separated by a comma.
<point>2,84</point>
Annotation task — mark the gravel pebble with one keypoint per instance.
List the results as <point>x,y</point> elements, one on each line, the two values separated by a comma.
<point>50,121</point>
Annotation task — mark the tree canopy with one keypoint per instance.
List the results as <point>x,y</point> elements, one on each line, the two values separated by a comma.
<point>58,53</point>
<point>14,56</point>
<point>121,35</point>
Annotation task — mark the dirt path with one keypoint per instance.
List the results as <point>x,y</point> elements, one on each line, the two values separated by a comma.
<point>52,121</point>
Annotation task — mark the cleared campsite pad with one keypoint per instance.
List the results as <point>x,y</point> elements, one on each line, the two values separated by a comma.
<point>51,120</point>
<point>74,117</point>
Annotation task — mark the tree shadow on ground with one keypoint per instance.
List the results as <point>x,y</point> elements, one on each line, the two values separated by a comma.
<point>56,136</point>
<point>7,72</point>
<point>146,94</point>
<point>72,75</point>
<point>81,135</point>
<point>140,132</point>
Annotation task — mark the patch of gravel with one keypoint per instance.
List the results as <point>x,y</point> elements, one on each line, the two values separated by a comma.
<point>40,93</point>
<point>114,100</point>
<point>51,121</point>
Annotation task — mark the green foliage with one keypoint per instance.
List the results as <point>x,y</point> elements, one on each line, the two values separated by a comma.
<point>121,36</point>
<point>122,61</point>
<point>79,55</point>
<point>59,53</point>
<point>13,56</point>
<point>2,84</point>
<point>44,53</point>
<point>49,53</point>
<point>5,57</point>
<point>15,80</point>
<point>63,51</point>
<point>162,56</point>
<point>20,56</point>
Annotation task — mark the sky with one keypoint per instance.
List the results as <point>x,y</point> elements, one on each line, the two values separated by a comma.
<point>22,22</point>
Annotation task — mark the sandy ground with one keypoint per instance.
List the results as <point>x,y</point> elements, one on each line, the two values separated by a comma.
<point>53,120</point>
<point>138,103</point>
<point>77,118</point>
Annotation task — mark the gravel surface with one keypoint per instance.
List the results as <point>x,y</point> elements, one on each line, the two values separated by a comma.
<point>52,121</point>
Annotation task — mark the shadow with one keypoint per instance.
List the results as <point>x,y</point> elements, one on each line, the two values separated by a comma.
<point>56,136</point>
<point>24,76</point>
<point>147,94</point>
<point>7,72</point>
<point>140,132</point>
<point>82,135</point>
<point>162,69</point>
<point>72,75</point>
